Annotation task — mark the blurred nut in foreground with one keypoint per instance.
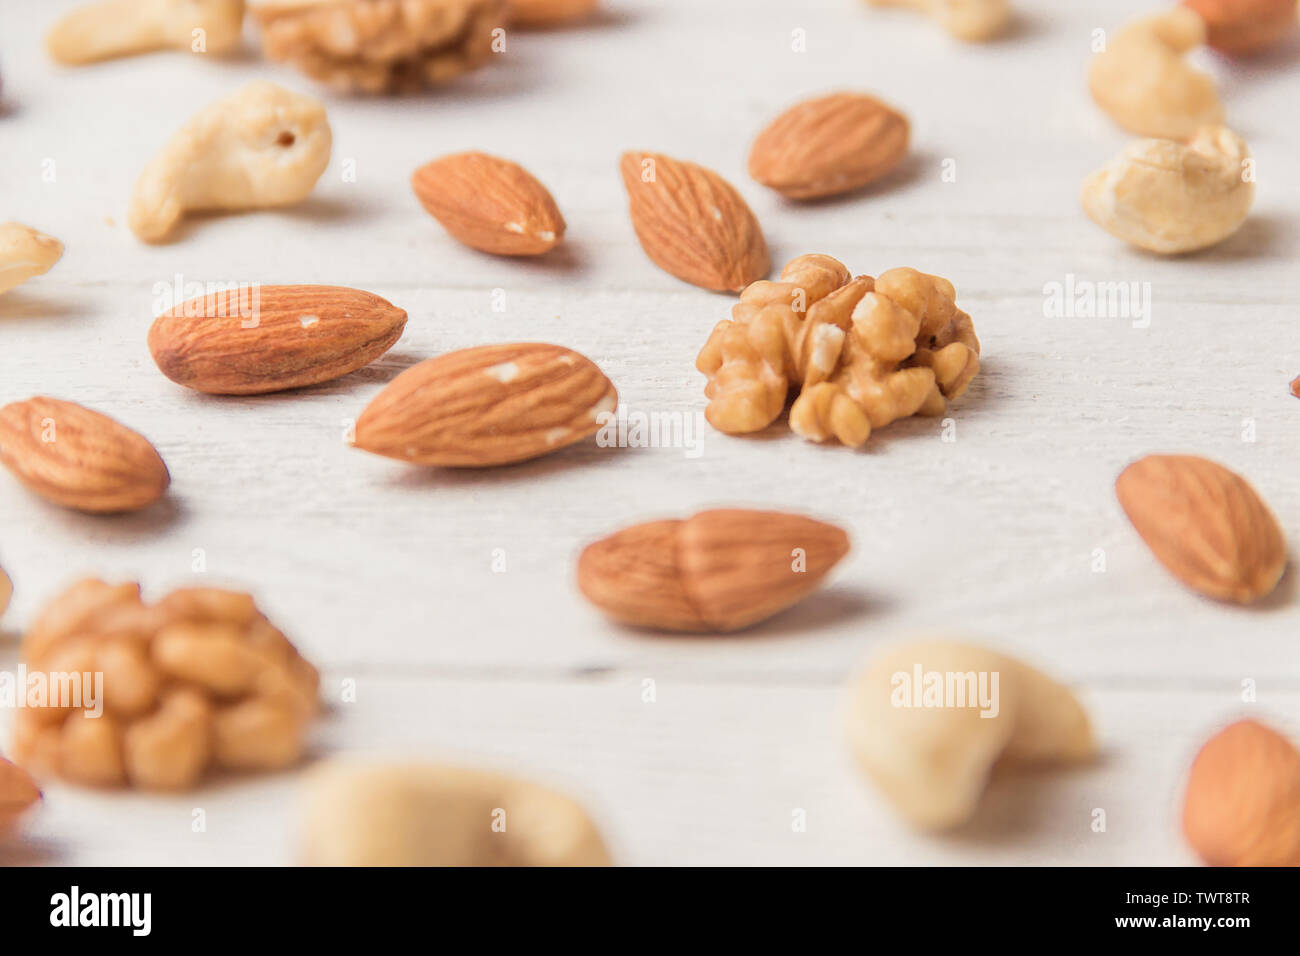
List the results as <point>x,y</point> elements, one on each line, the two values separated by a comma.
<point>6,591</point>
<point>1171,198</point>
<point>1143,82</point>
<point>18,792</point>
<point>25,253</point>
<point>113,28</point>
<point>164,692</point>
<point>930,722</point>
<point>432,815</point>
<point>260,147</point>
<point>1246,26</point>
<point>1243,798</point>
<point>380,46</point>
<point>970,20</point>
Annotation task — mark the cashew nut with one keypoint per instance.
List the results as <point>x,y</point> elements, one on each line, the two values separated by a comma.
<point>1146,86</point>
<point>970,20</point>
<point>24,253</point>
<point>432,815</point>
<point>929,722</point>
<point>263,146</point>
<point>1172,197</point>
<point>113,28</point>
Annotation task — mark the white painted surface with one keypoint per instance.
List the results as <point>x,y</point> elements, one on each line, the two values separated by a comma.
<point>383,573</point>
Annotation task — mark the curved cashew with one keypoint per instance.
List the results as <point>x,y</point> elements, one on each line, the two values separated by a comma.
<point>1169,197</point>
<point>263,146</point>
<point>1146,86</point>
<point>113,28</point>
<point>434,815</point>
<point>24,253</point>
<point>928,722</point>
<point>970,20</point>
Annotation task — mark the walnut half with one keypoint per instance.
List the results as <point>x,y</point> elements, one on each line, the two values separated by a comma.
<point>862,352</point>
<point>199,680</point>
<point>380,46</point>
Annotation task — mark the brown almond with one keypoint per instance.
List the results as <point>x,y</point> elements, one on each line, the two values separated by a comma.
<point>1205,524</point>
<point>829,145</point>
<point>692,223</point>
<point>489,204</point>
<point>548,13</point>
<point>78,458</point>
<point>1295,386</point>
<point>490,405</point>
<point>1245,27</point>
<point>720,570</point>
<point>1242,806</point>
<point>18,792</point>
<point>270,338</point>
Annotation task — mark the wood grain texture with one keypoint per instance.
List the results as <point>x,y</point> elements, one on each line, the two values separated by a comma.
<point>385,574</point>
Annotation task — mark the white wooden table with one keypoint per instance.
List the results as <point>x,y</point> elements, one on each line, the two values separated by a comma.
<point>384,575</point>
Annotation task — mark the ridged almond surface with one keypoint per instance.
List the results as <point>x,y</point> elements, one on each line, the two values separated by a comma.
<point>692,223</point>
<point>490,405</point>
<point>721,570</point>
<point>829,145</point>
<point>17,793</point>
<point>1205,524</point>
<point>273,337</point>
<point>78,458</point>
<point>1242,806</point>
<point>489,204</point>
<point>547,13</point>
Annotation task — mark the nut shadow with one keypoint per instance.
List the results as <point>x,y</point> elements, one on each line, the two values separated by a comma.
<point>914,168</point>
<point>584,454</point>
<point>1022,803</point>
<point>21,304</point>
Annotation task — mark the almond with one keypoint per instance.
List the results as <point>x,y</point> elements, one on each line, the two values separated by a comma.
<point>269,338</point>
<point>830,145</point>
<point>17,793</point>
<point>547,13</point>
<point>1246,26</point>
<point>489,204</point>
<point>80,459</point>
<point>1205,525</point>
<point>692,223</point>
<point>1243,798</point>
<point>490,405</point>
<point>720,570</point>
<point>1295,386</point>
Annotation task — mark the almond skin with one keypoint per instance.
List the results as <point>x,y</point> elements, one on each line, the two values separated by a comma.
<point>17,793</point>
<point>1243,798</point>
<point>1244,27</point>
<point>491,405</point>
<point>830,145</point>
<point>80,459</point>
<point>692,223</point>
<point>547,13</point>
<point>297,335</point>
<point>718,571</point>
<point>1205,524</point>
<point>489,204</point>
